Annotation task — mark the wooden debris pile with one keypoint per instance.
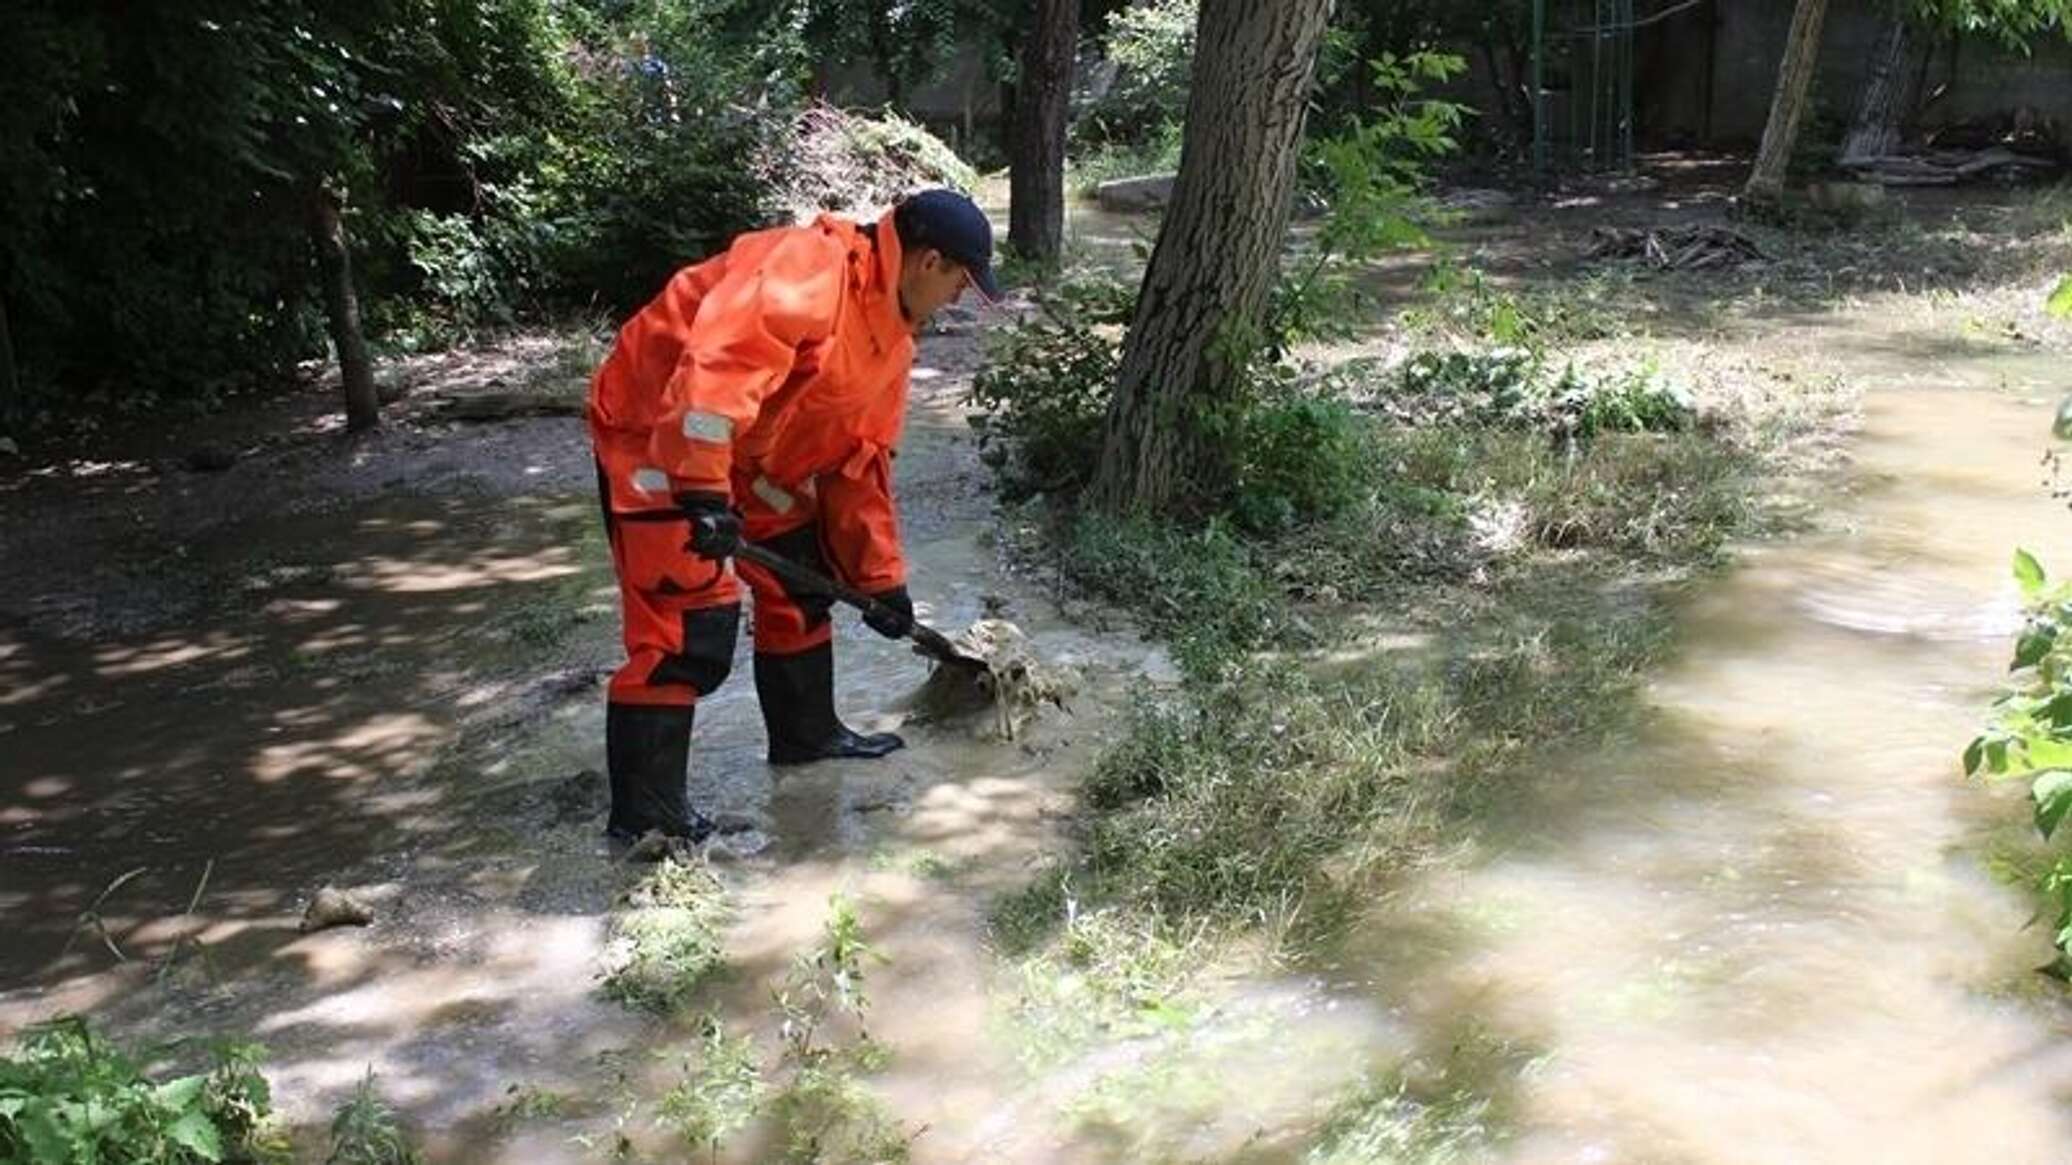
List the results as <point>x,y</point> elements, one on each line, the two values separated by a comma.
<point>1684,248</point>
<point>1949,167</point>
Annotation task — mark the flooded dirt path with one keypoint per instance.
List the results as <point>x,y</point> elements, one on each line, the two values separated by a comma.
<point>1759,928</point>
<point>1762,927</point>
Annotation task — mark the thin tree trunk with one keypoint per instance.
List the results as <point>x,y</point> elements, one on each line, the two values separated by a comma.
<point>10,385</point>
<point>1788,106</point>
<point>342,310</point>
<point>1889,97</point>
<point>1036,181</point>
<point>1205,292</point>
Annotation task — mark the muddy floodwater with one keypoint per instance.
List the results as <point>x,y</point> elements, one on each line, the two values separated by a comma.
<point>1761,924</point>
<point>1761,929</point>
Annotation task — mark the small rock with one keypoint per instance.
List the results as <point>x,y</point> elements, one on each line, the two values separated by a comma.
<point>334,907</point>
<point>1128,195</point>
<point>9,448</point>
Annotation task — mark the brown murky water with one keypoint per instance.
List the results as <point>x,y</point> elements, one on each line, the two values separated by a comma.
<point>1761,930</point>
<point>259,741</point>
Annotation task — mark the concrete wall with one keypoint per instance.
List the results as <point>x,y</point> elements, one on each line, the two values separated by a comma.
<point>1989,81</point>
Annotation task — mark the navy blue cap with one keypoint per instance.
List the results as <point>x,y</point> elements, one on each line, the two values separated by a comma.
<point>954,225</point>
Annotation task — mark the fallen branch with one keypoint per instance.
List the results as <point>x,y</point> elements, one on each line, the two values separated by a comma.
<point>1946,167</point>
<point>1675,248</point>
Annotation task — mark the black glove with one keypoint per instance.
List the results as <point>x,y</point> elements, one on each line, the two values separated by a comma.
<point>895,619</point>
<point>715,525</point>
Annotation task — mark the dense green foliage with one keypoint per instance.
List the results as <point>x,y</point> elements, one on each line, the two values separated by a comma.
<point>495,157</point>
<point>69,1095</point>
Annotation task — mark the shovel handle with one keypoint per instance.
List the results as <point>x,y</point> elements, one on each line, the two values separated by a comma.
<point>931,641</point>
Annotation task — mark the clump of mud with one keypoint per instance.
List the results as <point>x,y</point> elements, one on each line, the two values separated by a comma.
<point>334,907</point>
<point>1003,699</point>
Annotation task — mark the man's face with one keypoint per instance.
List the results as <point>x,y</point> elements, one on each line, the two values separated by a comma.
<point>928,282</point>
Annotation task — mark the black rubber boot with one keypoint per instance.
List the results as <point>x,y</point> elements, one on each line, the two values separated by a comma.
<point>797,693</point>
<point>648,750</point>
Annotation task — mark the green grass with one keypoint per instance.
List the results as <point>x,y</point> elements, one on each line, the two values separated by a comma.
<point>1258,808</point>
<point>1095,165</point>
<point>668,941</point>
<point>366,1131</point>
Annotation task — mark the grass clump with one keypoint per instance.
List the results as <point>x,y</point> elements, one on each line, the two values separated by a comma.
<point>668,940</point>
<point>367,1131</point>
<point>68,1094</point>
<point>816,1108</point>
<point>719,1092</point>
<point>1202,589</point>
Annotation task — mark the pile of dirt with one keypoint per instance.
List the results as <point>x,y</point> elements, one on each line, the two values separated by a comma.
<point>855,164</point>
<point>1684,248</point>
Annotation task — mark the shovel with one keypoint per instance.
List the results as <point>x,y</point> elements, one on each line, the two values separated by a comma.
<point>931,643</point>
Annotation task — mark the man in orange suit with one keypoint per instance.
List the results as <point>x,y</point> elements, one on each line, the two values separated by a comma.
<point>760,396</point>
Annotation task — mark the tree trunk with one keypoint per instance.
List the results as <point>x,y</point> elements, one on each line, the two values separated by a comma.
<point>1888,99</point>
<point>10,386</point>
<point>342,310</point>
<point>1036,180</point>
<point>1205,292</point>
<point>1788,106</point>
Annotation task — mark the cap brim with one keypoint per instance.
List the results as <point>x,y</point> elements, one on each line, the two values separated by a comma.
<point>982,279</point>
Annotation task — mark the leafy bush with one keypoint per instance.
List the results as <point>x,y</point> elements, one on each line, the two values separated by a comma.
<point>69,1095</point>
<point>2030,735</point>
<point>1371,174</point>
<point>1151,46</point>
<point>495,158</point>
<point>1510,388</point>
<point>1304,459</point>
<point>1044,391</point>
<point>665,162</point>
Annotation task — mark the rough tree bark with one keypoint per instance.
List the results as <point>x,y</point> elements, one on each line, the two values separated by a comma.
<point>1036,180</point>
<point>342,309</point>
<point>1788,105</point>
<point>1888,99</point>
<point>1217,254</point>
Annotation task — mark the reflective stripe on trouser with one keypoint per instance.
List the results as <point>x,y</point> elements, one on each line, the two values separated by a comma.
<point>682,613</point>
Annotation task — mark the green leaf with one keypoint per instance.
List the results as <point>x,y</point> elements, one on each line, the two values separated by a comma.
<point>197,1134</point>
<point>2035,643</point>
<point>2045,753</point>
<point>2060,302</point>
<point>2053,794</point>
<point>1974,754</point>
<point>181,1093</point>
<point>2029,573</point>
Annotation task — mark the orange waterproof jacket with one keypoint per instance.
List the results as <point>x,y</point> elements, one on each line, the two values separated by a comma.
<point>776,374</point>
